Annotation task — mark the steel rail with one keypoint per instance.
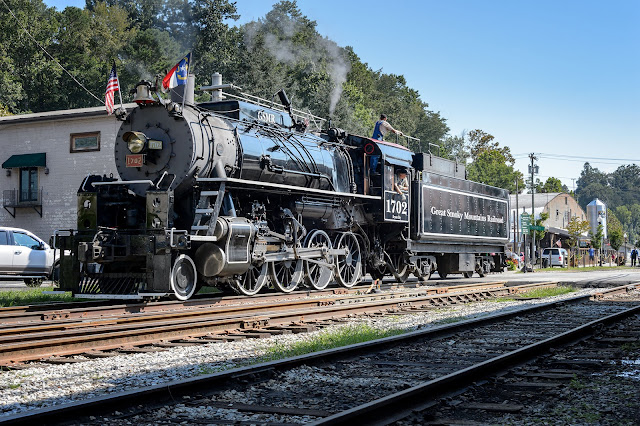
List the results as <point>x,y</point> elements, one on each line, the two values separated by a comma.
<point>64,322</point>
<point>392,408</point>
<point>172,391</point>
<point>56,312</point>
<point>60,319</point>
<point>33,343</point>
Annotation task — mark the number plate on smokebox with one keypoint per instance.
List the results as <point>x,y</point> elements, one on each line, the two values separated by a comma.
<point>135,160</point>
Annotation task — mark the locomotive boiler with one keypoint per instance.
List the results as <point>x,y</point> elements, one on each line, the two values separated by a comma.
<point>242,193</point>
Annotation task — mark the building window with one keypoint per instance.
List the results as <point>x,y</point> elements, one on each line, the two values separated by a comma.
<point>29,184</point>
<point>81,142</point>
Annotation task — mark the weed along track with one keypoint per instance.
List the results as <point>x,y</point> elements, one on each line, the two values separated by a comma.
<point>334,385</point>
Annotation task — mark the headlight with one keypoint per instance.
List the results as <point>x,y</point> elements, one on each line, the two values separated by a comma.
<point>135,141</point>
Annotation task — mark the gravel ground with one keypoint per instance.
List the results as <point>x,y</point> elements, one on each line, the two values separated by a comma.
<point>44,385</point>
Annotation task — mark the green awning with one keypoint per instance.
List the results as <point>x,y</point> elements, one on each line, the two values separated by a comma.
<point>26,160</point>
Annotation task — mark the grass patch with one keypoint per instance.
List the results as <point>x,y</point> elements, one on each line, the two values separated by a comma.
<point>347,335</point>
<point>537,293</point>
<point>14,385</point>
<point>546,292</point>
<point>31,296</point>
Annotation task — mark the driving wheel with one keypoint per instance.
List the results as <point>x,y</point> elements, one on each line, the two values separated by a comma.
<point>252,281</point>
<point>348,265</point>
<point>318,276</point>
<point>286,274</point>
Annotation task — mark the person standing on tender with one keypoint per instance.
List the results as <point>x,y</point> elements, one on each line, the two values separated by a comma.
<point>382,128</point>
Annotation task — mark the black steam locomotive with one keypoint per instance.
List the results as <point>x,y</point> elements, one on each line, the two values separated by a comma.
<point>239,193</point>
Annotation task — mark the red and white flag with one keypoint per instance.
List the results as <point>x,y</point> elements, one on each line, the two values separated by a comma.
<point>112,86</point>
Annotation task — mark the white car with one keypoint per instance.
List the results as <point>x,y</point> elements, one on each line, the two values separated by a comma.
<point>554,257</point>
<point>24,255</point>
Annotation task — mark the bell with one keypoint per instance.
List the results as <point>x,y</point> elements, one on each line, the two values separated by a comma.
<point>143,93</point>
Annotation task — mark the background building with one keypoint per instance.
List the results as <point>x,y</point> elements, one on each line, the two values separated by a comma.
<point>561,208</point>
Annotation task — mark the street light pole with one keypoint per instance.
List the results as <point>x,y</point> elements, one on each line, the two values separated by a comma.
<point>625,248</point>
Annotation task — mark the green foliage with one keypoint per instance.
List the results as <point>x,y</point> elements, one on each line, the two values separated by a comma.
<point>491,164</point>
<point>596,239</point>
<point>551,185</point>
<point>614,231</point>
<point>146,37</point>
<point>492,167</point>
<point>539,235</point>
<point>343,336</point>
<point>577,227</point>
<point>31,296</point>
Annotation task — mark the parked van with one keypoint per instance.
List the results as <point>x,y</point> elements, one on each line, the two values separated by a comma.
<point>554,257</point>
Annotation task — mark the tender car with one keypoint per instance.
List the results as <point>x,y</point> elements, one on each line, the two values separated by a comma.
<point>24,255</point>
<point>554,257</point>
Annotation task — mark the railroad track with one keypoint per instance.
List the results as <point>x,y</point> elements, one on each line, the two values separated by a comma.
<point>96,309</point>
<point>91,335</point>
<point>367,382</point>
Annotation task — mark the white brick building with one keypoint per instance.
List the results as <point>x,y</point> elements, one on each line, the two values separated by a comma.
<point>45,157</point>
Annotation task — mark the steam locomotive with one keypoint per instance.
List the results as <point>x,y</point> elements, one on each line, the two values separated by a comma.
<point>242,193</point>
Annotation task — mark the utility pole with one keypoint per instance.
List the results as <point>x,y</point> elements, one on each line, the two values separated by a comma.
<point>517,225</point>
<point>533,169</point>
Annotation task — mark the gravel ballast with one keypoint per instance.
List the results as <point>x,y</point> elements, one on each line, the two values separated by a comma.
<point>44,385</point>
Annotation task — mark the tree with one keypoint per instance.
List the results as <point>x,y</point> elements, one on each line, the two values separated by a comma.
<point>551,185</point>
<point>614,230</point>
<point>596,239</point>
<point>577,227</point>
<point>493,168</point>
<point>455,148</point>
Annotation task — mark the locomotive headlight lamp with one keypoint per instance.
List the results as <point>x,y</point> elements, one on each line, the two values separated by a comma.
<point>136,141</point>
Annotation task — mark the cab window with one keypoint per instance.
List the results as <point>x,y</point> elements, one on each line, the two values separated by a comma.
<point>25,240</point>
<point>4,238</point>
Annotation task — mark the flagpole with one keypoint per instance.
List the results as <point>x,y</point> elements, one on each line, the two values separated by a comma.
<point>119,90</point>
<point>186,86</point>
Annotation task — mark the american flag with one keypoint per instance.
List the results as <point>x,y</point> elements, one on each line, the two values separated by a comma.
<point>112,86</point>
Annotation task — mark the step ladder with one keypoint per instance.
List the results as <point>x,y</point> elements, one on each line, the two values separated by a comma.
<point>208,206</point>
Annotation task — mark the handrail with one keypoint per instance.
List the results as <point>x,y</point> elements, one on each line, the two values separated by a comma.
<point>124,182</point>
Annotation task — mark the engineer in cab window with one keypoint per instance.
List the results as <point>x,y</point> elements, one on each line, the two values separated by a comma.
<point>401,185</point>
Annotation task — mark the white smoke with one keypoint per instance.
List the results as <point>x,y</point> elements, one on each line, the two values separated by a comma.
<point>283,49</point>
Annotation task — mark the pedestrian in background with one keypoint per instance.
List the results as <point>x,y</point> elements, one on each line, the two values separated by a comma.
<point>592,254</point>
<point>634,256</point>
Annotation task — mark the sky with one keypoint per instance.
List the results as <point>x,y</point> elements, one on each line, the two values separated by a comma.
<point>557,78</point>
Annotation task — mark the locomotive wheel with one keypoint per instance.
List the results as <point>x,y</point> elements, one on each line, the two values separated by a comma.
<point>423,272</point>
<point>251,281</point>
<point>349,265</point>
<point>286,275</point>
<point>401,272</point>
<point>318,276</point>
<point>468,274</point>
<point>443,274</point>
<point>184,277</point>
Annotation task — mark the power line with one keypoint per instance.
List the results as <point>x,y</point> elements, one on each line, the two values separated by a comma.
<point>48,54</point>
<point>581,158</point>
